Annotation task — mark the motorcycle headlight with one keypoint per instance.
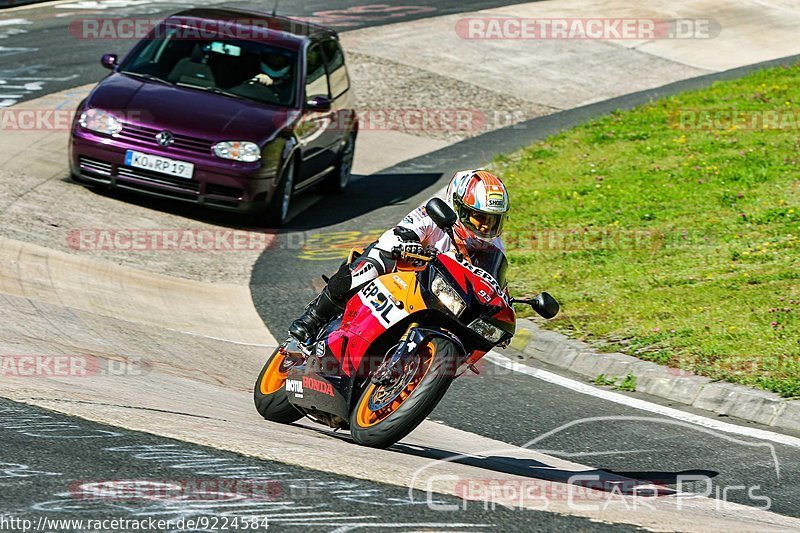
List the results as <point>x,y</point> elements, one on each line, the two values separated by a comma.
<point>488,331</point>
<point>100,121</point>
<point>447,295</point>
<point>238,151</point>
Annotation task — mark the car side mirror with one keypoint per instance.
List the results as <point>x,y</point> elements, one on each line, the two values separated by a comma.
<point>318,103</point>
<point>109,61</point>
<point>544,304</point>
<point>441,213</point>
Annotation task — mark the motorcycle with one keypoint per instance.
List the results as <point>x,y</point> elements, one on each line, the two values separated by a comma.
<point>381,367</point>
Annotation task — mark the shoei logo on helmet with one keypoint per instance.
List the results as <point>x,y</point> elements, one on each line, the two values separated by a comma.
<point>496,200</point>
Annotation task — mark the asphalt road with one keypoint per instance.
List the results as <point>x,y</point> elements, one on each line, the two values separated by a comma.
<point>38,56</point>
<point>518,408</point>
<point>43,50</point>
<point>56,468</point>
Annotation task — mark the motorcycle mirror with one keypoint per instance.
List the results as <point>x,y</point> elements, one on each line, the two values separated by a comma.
<point>544,304</point>
<point>441,213</point>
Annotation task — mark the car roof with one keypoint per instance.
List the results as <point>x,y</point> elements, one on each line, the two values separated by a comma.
<point>289,31</point>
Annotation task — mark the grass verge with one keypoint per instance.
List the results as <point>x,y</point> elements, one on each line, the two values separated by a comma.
<point>670,231</point>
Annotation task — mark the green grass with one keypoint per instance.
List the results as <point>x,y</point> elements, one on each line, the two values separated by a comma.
<point>676,245</point>
<point>628,383</point>
<point>605,381</point>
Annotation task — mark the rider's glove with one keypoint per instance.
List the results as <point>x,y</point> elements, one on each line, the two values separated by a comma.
<point>409,247</point>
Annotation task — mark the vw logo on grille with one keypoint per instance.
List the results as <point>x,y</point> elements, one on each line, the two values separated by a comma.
<point>164,138</point>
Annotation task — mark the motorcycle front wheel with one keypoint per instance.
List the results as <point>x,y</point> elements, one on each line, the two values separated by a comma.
<point>384,414</point>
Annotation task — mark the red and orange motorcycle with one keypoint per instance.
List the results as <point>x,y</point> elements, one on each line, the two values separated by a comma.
<point>382,366</point>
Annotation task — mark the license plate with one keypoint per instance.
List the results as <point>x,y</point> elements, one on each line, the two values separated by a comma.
<point>156,163</point>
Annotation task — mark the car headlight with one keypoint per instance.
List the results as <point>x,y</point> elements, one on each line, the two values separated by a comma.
<point>447,295</point>
<point>100,121</point>
<point>238,151</point>
<point>488,331</point>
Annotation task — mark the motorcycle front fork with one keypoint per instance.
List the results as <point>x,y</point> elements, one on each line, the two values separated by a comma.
<point>392,368</point>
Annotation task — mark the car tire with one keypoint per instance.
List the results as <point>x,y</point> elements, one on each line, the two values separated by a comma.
<point>276,212</point>
<point>339,178</point>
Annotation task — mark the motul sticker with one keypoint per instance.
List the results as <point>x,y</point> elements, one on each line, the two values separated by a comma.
<point>295,386</point>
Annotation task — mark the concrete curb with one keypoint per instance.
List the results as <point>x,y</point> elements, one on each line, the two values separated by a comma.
<point>681,386</point>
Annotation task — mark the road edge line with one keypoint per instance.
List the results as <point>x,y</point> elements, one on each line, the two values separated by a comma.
<point>638,403</point>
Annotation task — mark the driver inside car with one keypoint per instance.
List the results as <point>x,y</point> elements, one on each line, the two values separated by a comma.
<point>274,69</point>
<point>479,199</point>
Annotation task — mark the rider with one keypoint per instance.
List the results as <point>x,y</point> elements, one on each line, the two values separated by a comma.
<point>480,201</point>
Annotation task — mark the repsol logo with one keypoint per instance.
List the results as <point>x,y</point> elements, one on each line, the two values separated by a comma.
<point>378,301</point>
<point>486,277</point>
<point>317,385</point>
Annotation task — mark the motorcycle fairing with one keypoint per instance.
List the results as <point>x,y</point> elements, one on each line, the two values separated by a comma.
<point>381,304</point>
<point>308,387</point>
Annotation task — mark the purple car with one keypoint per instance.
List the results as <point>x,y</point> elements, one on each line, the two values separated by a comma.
<point>227,109</point>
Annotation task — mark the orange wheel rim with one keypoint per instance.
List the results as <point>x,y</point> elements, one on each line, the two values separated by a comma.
<point>366,417</point>
<point>273,379</point>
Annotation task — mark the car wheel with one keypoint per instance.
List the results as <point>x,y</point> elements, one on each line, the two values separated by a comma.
<point>340,177</point>
<point>277,211</point>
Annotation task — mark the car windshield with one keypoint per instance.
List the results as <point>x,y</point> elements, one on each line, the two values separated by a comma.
<point>492,260</point>
<point>238,68</point>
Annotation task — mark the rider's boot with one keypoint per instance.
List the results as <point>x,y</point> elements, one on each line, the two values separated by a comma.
<point>317,313</point>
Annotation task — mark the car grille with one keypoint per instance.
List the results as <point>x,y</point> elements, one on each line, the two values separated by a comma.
<point>147,136</point>
<point>98,169</point>
<point>222,190</point>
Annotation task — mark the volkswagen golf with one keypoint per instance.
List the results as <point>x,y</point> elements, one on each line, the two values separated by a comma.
<point>227,109</point>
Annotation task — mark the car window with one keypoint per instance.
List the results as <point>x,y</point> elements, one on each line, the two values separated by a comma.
<point>237,68</point>
<point>316,80</point>
<point>334,61</point>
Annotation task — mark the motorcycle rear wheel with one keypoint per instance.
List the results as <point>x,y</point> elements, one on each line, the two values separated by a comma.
<point>384,426</point>
<point>269,393</point>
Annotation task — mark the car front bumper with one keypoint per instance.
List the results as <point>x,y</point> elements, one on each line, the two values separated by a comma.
<point>219,184</point>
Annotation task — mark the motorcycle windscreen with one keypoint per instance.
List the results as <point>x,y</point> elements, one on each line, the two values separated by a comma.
<point>492,260</point>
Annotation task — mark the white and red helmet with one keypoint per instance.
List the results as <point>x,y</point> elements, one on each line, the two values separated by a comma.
<point>480,200</point>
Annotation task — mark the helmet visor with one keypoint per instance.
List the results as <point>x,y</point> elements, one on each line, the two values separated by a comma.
<point>485,225</point>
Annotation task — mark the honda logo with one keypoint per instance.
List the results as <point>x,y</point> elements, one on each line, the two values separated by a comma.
<point>164,138</point>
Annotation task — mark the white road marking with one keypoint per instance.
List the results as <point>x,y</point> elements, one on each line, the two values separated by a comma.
<point>106,4</point>
<point>12,22</point>
<point>636,403</point>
